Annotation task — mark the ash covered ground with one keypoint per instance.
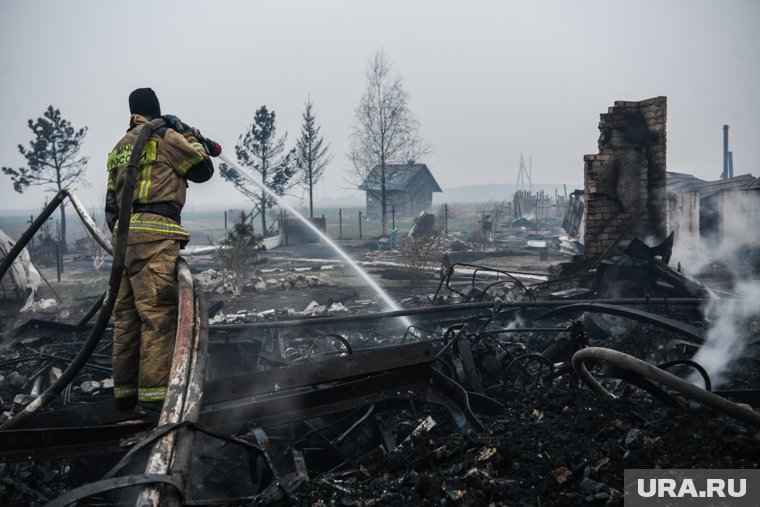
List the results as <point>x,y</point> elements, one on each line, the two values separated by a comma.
<point>554,441</point>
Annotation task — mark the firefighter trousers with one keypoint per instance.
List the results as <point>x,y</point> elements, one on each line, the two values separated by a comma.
<point>145,321</point>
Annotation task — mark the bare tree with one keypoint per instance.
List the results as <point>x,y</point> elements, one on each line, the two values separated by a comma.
<point>490,215</point>
<point>260,149</point>
<point>53,158</point>
<point>421,254</point>
<point>312,154</point>
<point>496,212</point>
<point>385,132</point>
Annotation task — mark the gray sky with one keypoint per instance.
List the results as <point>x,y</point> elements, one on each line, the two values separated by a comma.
<point>488,80</point>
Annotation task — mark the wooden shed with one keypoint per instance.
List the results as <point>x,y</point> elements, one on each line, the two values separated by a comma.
<point>408,187</point>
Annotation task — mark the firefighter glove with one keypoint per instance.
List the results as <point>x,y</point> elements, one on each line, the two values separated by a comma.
<point>173,122</point>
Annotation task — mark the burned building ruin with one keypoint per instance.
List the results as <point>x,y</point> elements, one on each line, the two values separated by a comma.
<point>625,181</point>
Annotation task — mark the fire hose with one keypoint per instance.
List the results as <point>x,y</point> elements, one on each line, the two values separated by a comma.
<point>114,280</point>
<point>652,372</point>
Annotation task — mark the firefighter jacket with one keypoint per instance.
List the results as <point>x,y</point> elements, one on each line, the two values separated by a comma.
<point>168,161</point>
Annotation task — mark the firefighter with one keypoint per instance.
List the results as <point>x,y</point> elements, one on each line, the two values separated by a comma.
<point>145,313</point>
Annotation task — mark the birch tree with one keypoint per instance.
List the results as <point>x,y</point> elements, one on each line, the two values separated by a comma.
<point>385,132</point>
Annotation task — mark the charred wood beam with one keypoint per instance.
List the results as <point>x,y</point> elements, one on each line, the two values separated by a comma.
<point>316,372</point>
<point>86,414</point>
<point>416,382</point>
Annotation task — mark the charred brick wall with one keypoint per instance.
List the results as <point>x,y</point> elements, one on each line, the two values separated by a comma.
<point>625,183</point>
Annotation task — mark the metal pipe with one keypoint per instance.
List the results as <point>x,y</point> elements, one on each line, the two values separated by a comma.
<point>88,221</point>
<point>176,391</point>
<point>193,399</point>
<point>464,307</point>
<point>652,372</point>
<point>725,153</point>
<point>114,280</point>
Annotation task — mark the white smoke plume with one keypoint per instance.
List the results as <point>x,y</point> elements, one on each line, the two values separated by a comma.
<point>722,252</point>
<point>734,323</point>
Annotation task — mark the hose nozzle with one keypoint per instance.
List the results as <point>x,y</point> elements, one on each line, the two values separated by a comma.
<point>213,148</point>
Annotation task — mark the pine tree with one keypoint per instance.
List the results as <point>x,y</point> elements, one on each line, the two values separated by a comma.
<point>52,157</point>
<point>312,154</point>
<point>259,149</point>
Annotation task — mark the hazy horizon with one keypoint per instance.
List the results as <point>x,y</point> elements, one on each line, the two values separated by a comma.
<point>487,80</point>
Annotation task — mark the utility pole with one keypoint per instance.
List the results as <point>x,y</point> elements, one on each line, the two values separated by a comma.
<point>524,174</point>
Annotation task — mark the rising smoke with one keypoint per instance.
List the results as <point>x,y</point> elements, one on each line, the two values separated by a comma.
<point>733,325</point>
<point>724,230</point>
<point>733,322</point>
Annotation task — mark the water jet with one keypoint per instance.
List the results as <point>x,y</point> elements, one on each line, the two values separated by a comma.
<point>351,262</point>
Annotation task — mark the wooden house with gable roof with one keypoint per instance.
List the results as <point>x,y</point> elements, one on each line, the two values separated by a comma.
<point>408,187</point>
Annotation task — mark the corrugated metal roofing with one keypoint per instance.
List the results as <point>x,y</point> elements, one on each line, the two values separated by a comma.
<point>755,185</point>
<point>679,182</point>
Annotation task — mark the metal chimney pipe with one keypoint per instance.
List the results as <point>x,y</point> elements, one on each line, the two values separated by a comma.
<point>726,172</point>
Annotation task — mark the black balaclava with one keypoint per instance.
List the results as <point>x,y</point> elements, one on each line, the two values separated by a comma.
<point>143,101</point>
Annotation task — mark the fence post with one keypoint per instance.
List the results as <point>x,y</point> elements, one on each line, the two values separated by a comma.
<point>360,225</point>
<point>446,219</point>
<point>393,217</point>
<point>225,220</point>
<point>340,223</point>
<point>58,262</point>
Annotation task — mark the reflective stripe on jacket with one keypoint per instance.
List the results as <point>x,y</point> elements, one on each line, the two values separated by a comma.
<point>145,227</point>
